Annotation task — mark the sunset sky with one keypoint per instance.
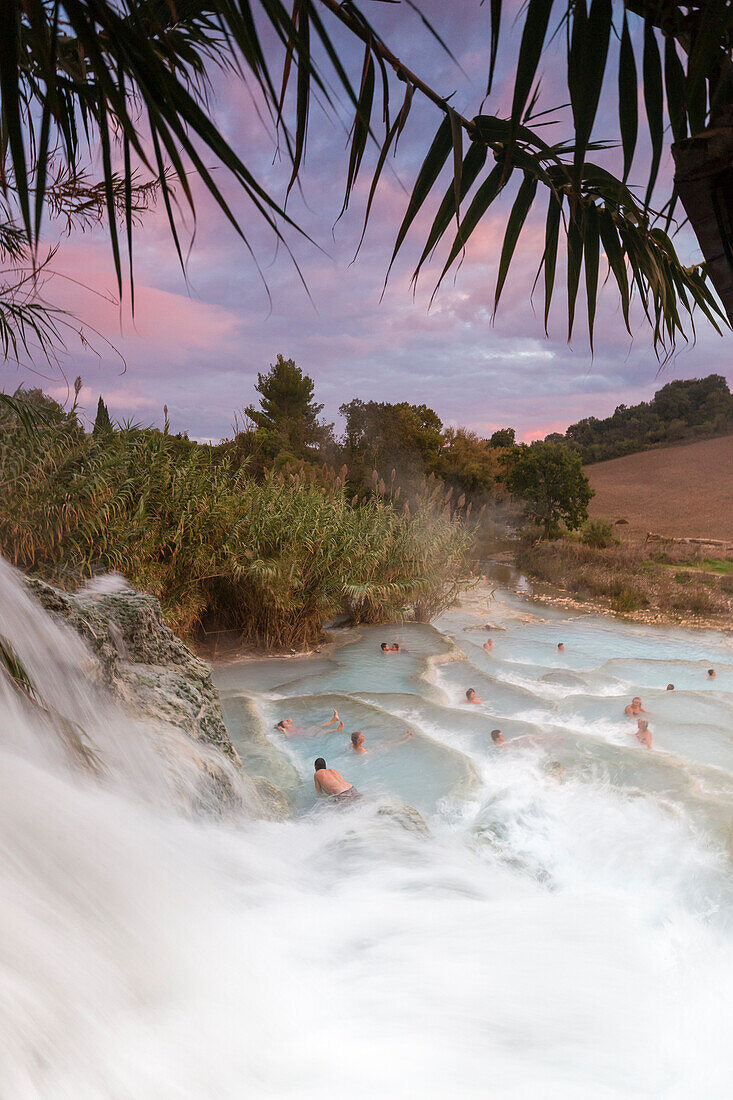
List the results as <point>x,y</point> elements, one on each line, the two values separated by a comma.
<point>197,344</point>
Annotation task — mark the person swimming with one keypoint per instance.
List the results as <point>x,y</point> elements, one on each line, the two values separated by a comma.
<point>643,733</point>
<point>711,674</point>
<point>561,646</point>
<point>357,742</point>
<point>330,782</point>
<point>634,708</point>
<point>670,687</point>
<point>489,644</point>
<point>471,696</point>
<point>497,737</point>
<point>288,727</point>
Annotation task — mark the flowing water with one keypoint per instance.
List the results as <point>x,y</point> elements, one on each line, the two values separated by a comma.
<point>564,931</point>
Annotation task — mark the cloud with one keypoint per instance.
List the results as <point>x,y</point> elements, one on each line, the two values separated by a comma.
<point>198,345</point>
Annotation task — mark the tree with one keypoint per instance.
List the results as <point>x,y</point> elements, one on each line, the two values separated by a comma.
<point>288,415</point>
<point>549,479</point>
<point>102,422</point>
<point>504,437</point>
<point>126,81</point>
<point>383,436</point>
<point>468,462</point>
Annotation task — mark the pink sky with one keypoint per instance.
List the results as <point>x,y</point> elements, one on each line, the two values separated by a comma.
<point>197,345</point>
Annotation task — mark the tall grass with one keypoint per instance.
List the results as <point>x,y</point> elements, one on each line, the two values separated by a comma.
<point>273,559</point>
<point>628,575</point>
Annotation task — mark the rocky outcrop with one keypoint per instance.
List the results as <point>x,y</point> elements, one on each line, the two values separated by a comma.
<point>141,661</point>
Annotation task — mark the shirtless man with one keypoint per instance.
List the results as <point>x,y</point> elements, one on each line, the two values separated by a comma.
<point>634,709</point>
<point>561,646</point>
<point>385,647</point>
<point>357,742</point>
<point>330,782</point>
<point>472,697</point>
<point>497,737</point>
<point>711,674</point>
<point>643,733</point>
<point>288,727</point>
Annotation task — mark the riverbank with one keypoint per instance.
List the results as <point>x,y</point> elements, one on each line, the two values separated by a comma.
<point>656,583</point>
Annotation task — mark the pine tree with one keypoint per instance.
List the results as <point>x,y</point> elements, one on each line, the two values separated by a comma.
<point>102,422</point>
<point>288,415</point>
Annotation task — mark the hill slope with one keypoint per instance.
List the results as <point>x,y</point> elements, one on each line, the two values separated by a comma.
<point>680,491</point>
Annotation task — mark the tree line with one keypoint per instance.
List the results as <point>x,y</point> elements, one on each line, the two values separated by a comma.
<point>693,408</point>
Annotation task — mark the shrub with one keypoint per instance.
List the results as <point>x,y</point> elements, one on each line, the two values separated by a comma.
<point>598,533</point>
<point>273,558</point>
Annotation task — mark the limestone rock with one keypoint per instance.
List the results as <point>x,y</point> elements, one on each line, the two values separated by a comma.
<point>141,661</point>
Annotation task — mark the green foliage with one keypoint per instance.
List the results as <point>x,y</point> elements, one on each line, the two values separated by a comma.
<point>272,558</point>
<point>468,462</point>
<point>287,420</point>
<point>549,479</point>
<point>684,409</point>
<point>504,437</point>
<point>382,436</point>
<point>102,422</point>
<point>598,533</point>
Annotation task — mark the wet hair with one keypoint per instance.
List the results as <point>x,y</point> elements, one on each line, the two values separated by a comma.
<point>636,699</point>
<point>355,738</point>
<point>280,725</point>
<point>384,645</point>
<point>711,672</point>
<point>670,687</point>
<point>561,645</point>
<point>469,692</point>
<point>320,764</point>
<point>495,735</point>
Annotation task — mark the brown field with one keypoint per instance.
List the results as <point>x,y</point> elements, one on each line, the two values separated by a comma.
<point>685,491</point>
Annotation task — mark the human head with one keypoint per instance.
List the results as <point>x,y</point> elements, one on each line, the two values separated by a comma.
<point>711,673</point>
<point>489,643</point>
<point>320,764</point>
<point>561,645</point>
<point>395,647</point>
<point>357,739</point>
<point>283,725</point>
<point>497,737</point>
<point>470,694</point>
<point>643,724</point>
<point>384,647</point>
<point>670,687</point>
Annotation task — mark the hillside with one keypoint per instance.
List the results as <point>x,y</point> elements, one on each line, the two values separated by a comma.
<point>686,410</point>
<point>680,491</point>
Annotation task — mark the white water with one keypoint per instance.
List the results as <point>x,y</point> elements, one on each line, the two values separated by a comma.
<point>560,934</point>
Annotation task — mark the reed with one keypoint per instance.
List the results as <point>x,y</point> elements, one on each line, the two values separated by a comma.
<point>271,558</point>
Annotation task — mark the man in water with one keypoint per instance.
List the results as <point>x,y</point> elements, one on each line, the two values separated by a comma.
<point>489,645</point>
<point>634,709</point>
<point>711,674</point>
<point>670,687</point>
<point>357,742</point>
<point>643,733</point>
<point>288,727</point>
<point>385,648</point>
<point>472,697</point>
<point>330,782</point>
<point>561,646</point>
<point>497,737</point>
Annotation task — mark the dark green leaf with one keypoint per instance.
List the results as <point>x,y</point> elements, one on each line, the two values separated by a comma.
<point>517,218</point>
<point>628,108</point>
